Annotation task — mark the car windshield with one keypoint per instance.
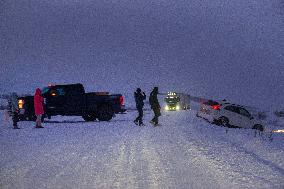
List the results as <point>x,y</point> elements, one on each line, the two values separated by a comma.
<point>171,99</point>
<point>211,103</point>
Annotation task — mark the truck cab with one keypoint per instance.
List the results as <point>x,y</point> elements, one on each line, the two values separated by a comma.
<point>176,101</point>
<point>64,99</point>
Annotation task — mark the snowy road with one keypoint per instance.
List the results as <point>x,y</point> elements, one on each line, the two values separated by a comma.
<point>185,152</point>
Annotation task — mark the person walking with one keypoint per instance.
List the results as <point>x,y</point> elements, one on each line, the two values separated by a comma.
<point>14,110</point>
<point>139,98</point>
<point>38,106</point>
<point>155,106</point>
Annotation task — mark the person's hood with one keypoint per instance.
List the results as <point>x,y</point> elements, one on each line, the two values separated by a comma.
<point>38,92</point>
<point>156,89</point>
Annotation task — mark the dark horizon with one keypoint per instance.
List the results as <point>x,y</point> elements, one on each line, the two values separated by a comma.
<point>210,49</point>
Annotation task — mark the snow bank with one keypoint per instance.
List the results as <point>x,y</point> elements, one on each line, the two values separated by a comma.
<point>184,152</point>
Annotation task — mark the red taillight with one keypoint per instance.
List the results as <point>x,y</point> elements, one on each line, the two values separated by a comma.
<point>121,100</point>
<point>216,107</point>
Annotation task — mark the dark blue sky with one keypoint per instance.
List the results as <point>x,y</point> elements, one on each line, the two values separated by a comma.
<point>215,49</point>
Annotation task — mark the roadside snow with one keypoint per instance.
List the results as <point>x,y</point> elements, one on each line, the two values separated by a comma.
<point>185,152</point>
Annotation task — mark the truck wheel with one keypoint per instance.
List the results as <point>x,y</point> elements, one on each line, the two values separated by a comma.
<point>89,117</point>
<point>105,113</point>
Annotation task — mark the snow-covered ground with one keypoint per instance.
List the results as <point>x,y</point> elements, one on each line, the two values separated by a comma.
<point>184,152</point>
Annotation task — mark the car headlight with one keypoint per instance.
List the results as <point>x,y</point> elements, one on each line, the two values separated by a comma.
<point>166,107</point>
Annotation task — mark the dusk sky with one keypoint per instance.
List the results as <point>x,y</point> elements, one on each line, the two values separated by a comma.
<point>217,49</point>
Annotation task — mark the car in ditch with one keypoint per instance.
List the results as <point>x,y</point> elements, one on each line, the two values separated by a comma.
<point>229,115</point>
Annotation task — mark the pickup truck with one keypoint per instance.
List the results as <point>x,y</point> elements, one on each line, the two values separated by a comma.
<point>71,100</point>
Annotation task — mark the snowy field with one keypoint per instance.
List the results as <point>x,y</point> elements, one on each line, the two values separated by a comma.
<point>184,152</point>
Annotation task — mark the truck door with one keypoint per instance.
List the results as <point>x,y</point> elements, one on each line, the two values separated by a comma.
<point>55,101</point>
<point>75,100</point>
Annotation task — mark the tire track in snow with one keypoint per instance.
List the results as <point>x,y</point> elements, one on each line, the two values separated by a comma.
<point>135,166</point>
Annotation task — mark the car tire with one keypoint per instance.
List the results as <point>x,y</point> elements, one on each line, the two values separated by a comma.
<point>258,127</point>
<point>105,113</point>
<point>89,117</point>
<point>224,121</point>
<point>216,122</point>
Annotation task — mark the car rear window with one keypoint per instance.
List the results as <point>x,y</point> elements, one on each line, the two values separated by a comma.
<point>233,109</point>
<point>211,103</point>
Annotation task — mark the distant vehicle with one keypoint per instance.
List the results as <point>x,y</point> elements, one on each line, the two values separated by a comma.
<point>177,101</point>
<point>229,115</point>
<point>71,100</point>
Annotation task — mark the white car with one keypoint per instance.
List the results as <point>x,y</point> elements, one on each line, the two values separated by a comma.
<point>229,115</point>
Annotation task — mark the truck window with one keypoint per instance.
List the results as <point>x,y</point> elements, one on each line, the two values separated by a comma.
<point>74,90</point>
<point>60,91</point>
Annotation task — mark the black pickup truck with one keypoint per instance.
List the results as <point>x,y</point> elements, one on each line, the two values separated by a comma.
<point>71,100</point>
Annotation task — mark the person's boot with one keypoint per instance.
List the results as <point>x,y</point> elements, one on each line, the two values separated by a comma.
<point>39,126</point>
<point>136,122</point>
<point>141,124</point>
<point>16,127</point>
<point>156,124</point>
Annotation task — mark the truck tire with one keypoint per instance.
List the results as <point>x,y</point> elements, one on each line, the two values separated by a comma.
<point>89,117</point>
<point>105,113</point>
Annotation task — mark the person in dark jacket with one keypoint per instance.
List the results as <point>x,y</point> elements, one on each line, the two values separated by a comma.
<point>155,106</point>
<point>14,110</point>
<point>38,106</point>
<point>139,98</point>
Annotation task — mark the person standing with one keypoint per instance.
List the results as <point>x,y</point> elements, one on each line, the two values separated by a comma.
<point>38,106</point>
<point>14,110</point>
<point>139,98</point>
<point>155,106</point>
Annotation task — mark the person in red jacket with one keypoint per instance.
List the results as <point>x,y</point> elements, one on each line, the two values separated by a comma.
<point>38,106</point>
